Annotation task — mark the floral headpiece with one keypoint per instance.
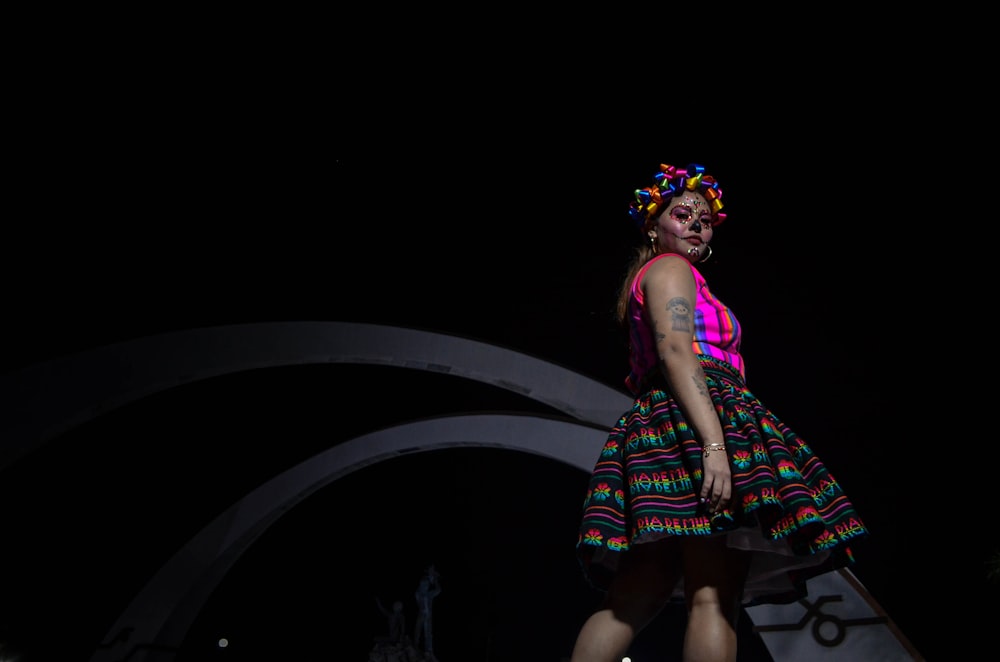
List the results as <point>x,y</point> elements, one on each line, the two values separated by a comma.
<point>671,181</point>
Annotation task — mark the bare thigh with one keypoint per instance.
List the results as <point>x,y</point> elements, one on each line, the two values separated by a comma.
<point>712,569</point>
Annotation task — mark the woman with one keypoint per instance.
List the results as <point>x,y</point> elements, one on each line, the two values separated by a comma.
<point>701,493</point>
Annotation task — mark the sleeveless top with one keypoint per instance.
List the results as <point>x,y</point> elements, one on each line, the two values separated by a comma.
<point>717,333</point>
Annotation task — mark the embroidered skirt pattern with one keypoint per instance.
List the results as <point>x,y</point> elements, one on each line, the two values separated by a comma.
<point>786,504</point>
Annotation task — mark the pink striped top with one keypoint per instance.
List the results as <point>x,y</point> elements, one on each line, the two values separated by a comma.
<point>716,331</point>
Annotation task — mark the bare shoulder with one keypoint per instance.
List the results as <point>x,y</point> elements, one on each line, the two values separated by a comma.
<point>668,267</point>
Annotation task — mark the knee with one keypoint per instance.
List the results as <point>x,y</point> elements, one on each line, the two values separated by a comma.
<point>709,600</point>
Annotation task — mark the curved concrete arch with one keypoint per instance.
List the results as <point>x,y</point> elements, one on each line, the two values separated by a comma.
<point>162,613</point>
<point>49,398</point>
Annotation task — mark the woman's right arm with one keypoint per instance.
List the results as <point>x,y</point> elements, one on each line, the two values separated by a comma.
<point>670,294</point>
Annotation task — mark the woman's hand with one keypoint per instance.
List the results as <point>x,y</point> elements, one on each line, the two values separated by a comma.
<point>717,486</point>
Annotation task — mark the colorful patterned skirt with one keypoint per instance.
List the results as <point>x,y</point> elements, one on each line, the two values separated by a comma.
<point>787,507</point>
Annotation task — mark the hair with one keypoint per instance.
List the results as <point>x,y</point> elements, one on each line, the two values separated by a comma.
<point>650,202</point>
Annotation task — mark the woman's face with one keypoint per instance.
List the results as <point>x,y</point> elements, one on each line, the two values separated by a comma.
<point>685,226</point>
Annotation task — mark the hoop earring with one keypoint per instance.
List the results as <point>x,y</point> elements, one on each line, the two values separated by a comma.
<point>707,255</point>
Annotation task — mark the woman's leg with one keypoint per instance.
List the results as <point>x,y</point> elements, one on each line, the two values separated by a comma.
<point>714,576</point>
<point>642,586</point>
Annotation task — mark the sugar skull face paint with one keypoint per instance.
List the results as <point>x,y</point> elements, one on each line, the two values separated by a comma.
<point>685,226</point>
<point>690,208</point>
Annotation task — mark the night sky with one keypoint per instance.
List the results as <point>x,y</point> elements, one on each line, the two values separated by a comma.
<point>510,238</point>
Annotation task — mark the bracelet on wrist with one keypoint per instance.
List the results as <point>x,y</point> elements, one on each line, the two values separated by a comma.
<point>708,448</point>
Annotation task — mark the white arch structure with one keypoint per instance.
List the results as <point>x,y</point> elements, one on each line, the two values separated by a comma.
<point>47,399</point>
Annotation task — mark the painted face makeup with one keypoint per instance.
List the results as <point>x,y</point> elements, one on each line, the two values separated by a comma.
<point>692,214</point>
<point>691,208</point>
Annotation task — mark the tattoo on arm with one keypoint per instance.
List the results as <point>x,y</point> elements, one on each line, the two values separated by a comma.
<point>655,326</point>
<point>680,314</point>
<point>699,383</point>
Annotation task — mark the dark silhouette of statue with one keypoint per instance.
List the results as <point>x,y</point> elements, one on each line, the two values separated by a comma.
<point>396,620</point>
<point>427,590</point>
